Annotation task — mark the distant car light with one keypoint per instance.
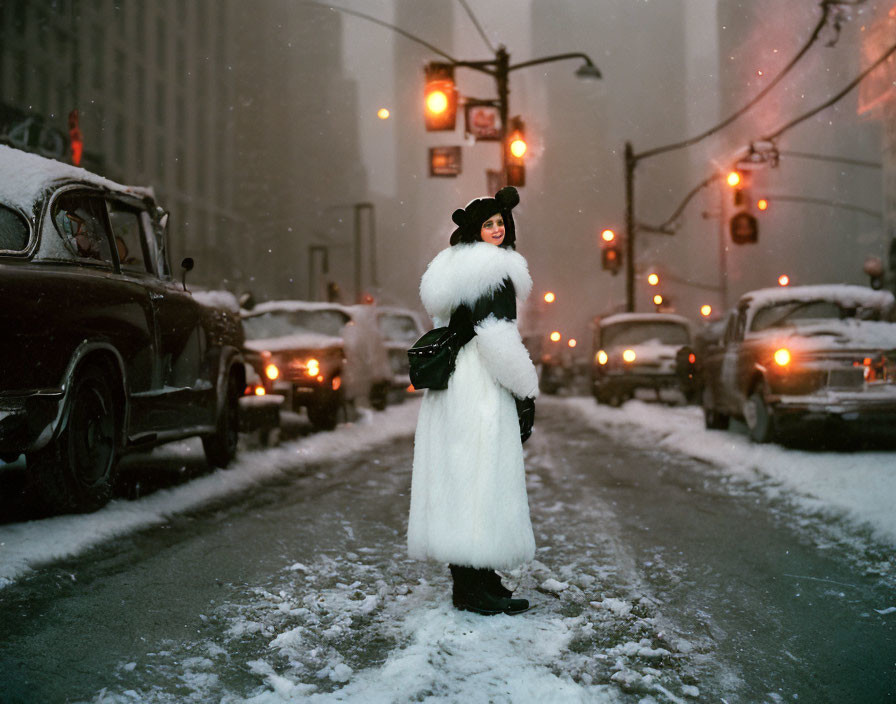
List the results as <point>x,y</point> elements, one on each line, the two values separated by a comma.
<point>782,357</point>
<point>312,368</point>
<point>271,371</point>
<point>602,357</point>
<point>571,342</point>
<point>629,356</point>
<point>259,391</point>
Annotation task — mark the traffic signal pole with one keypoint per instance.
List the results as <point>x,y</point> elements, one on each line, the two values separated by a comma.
<point>631,162</point>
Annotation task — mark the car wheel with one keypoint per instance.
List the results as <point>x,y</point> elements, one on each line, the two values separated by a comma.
<point>76,472</point>
<point>713,419</point>
<point>220,448</point>
<point>760,418</point>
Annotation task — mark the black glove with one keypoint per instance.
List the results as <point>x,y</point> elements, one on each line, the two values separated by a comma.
<point>525,411</point>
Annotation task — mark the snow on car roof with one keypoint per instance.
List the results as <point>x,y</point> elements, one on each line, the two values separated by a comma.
<point>24,177</point>
<point>644,318</point>
<point>286,305</point>
<point>845,294</point>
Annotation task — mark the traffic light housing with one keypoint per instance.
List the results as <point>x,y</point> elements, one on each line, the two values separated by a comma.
<point>439,97</point>
<point>515,150</point>
<point>744,228</point>
<point>610,252</point>
<point>739,180</point>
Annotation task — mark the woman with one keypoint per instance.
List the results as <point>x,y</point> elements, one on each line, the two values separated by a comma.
<point>468,492</point>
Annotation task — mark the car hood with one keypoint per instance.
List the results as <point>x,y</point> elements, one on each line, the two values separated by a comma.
<point>833,335</point>
<point>651,351</point>
<point>302,341</point>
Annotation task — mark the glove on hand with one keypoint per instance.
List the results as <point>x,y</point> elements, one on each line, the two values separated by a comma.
<point>525,411</point>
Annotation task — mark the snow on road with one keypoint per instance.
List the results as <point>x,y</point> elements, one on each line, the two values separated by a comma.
<point>857,487</point>
<point>26,545</point>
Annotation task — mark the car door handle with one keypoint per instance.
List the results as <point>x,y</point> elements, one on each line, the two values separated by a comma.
<point>154,296</point>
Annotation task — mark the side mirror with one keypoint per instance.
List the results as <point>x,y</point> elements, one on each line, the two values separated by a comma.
<point>186,265</point>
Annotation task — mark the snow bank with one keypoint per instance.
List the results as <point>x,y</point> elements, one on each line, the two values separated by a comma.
<point>859,486</point>
<point>25,545</point>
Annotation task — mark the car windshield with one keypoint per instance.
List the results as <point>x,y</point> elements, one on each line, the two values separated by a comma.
<point>805,312</point>
<point>398,328</point>
<point>280,323</point>
<point>641,333</point>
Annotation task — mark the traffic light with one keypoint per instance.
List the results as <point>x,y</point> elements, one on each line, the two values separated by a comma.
<point>653,279</point>
<point>515,153</point>
<point>744,228</point>
<point>439,97</point>
<point>739,181</point>
<point>610,252</point>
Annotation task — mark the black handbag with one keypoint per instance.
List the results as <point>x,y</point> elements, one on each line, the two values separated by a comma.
<point>432,357</point>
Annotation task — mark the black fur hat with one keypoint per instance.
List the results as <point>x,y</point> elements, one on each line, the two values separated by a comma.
<point>469,220</point>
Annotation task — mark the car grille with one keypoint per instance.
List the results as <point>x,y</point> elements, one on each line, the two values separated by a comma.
<point>853,378</point>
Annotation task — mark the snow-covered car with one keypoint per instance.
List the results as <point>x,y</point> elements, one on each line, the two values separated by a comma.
<point>326,355</point>
<point>400,328</point>
<point>259,405</point>
<point>807,353</point>
<point>103,351</point>
<point>636,351</point>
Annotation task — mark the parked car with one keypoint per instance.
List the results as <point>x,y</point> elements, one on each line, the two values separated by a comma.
<point>807,353</point>
<point>103,350</point>
<point>328,355</point>
<point>636,351</point>
<point>259,404</point>
<point>400,328</point>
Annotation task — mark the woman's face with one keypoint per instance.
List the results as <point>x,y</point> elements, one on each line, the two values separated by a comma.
<point>493,230</point>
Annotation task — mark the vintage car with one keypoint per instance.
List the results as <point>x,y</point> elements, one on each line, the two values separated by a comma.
<point>400,328</point>
<point>636,351</point>
<point>807,353</point>
<point>103,351</point>
<point>327,355</point>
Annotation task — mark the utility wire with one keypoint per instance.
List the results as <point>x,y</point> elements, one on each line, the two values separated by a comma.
<point>401,31</point>
<point>477,25</point>
<point>835,159</point>
<point>852,84</point>
<point>825,12</point>
<point>666,227</point>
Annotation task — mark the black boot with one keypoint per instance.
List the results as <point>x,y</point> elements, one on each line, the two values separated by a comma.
<point>493,583</point>
<point>470,593</point>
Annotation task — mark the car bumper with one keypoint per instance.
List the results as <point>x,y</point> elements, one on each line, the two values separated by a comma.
<point>628,381</point>
<point>260,412</point>
<point>874,403</point>
<point>28,419</point>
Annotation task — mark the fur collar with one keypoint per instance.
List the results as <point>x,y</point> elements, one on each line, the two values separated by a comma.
<point>466,272</point>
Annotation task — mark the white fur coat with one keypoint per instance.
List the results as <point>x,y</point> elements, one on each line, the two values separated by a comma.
<point>468,490</point>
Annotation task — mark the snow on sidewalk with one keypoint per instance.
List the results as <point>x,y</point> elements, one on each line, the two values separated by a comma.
<point>26,545</point>
<point>859,486</point>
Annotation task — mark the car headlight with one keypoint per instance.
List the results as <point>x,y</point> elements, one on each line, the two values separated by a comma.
<point>629,356</point>
<point>782,357</point>
<point>601,357</point>
<point>312,367</point>
<point>271,371</point>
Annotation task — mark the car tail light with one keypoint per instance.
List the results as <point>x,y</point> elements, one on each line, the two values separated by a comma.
<point>337,382</point>
<point>629,356</point>
<point>782,357</point>
<point>271,371</point>
<point>601,357</point>
<point>692,358</point>
<point>411,388</point>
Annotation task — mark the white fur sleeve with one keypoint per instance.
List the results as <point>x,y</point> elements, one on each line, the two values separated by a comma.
<point>505,356</point>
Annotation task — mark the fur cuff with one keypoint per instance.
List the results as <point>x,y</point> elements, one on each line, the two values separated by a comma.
<point>506,358</point>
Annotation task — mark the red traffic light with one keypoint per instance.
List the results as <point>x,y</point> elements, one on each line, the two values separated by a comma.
<point>439,97</point>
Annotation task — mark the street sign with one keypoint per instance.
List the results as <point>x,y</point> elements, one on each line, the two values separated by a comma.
<point>444,161</point>
<point>483,121</point>
<point>744,228</point>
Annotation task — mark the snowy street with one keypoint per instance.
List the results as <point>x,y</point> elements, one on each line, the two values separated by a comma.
<point>674,564</point>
